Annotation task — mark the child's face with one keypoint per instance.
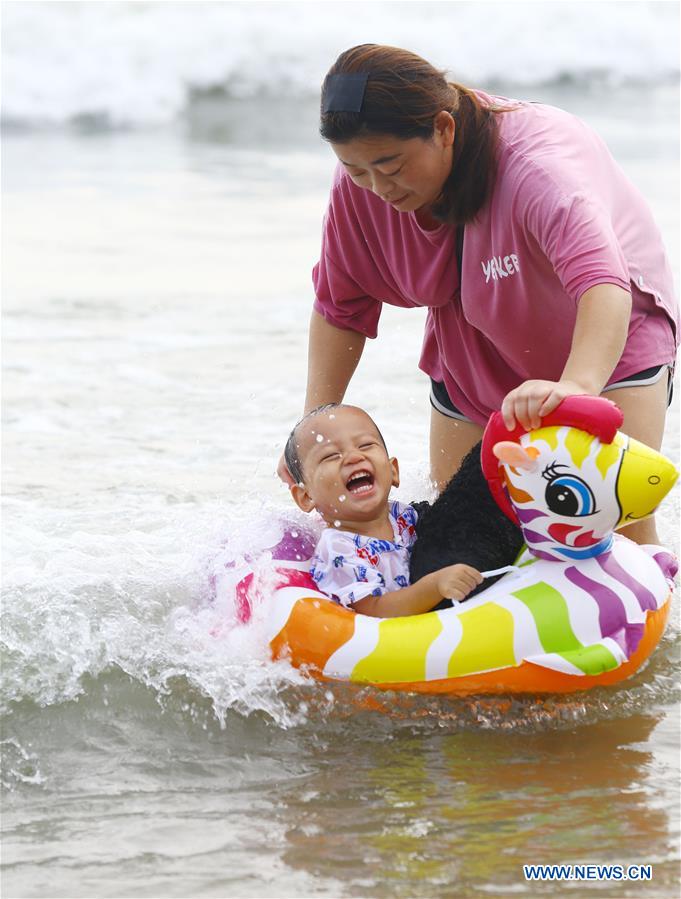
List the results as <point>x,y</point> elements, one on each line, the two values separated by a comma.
<point>347,473</point>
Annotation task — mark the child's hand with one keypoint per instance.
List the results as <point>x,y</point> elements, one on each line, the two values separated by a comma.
<point>457,581</point>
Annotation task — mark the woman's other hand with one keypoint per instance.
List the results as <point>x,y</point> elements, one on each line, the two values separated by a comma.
<point>532,400</point>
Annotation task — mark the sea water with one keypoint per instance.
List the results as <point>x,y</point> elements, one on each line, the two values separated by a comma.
<point>163,188</point>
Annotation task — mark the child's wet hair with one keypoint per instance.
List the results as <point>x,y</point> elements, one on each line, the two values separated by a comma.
<point>292,456</point>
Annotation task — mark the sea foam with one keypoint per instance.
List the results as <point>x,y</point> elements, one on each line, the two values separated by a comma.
<point>142,64</point>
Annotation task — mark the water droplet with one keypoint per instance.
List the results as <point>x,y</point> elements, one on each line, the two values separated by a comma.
<point>294,533</point>
<point>331,417</point>
<point>342,498</point>
<point>336,523</point>
<point>319,438</point>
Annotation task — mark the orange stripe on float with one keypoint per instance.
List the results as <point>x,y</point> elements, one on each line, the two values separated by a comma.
<point>516,494</point>
<point>314,631</point>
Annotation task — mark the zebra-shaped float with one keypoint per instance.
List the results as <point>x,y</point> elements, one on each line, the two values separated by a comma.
<point>582,606</point>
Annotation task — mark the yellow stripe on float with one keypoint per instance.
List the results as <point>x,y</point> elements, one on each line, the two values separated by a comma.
<point>578,444</point>
<point>486,643</point>
<point>608,454</point>
<point>400,655</point>
<point>548,435</point>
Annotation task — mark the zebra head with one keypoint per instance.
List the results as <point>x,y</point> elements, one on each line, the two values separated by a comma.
<point>570,483</point>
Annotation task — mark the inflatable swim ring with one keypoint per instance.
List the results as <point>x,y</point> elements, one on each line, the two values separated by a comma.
<point>582,607</point>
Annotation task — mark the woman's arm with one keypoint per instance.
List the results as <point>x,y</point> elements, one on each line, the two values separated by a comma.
<point>333,355</point>
<point>598,341</point>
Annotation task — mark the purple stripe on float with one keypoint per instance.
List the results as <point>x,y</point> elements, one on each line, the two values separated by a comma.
<point>525,516</point>
<point>612,614</point>
<point>668,564</point>
<point>538,554</point>
<point>534,537</point>
<point>628,638</point>
<point>612,567</point>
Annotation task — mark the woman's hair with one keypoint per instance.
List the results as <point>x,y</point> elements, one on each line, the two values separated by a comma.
<point>403,95</point>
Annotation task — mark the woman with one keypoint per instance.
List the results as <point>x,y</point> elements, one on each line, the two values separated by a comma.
<point>540,264</point>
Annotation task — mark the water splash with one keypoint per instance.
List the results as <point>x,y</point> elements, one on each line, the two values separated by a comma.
<point>19,765</point>
<point>159,603</point>
<point>78,604</point>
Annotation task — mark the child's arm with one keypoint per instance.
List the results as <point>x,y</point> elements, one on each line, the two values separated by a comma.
<point>454,582</point>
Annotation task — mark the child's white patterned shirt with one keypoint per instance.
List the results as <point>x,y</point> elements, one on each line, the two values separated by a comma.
<point>348,567</point>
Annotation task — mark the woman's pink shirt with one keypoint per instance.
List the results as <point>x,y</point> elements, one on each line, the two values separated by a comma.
<point>561,218</point>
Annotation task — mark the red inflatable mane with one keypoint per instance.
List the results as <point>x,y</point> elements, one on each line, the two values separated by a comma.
<point>592,414</point>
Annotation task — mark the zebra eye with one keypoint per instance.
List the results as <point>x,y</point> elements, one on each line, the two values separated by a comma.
<point>570,495</point>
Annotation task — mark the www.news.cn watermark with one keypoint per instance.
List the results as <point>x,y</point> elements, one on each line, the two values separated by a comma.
<point>588,872</point>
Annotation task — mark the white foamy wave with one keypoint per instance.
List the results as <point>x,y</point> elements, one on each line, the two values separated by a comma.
<point>142,63</point>
<point>80,602</point>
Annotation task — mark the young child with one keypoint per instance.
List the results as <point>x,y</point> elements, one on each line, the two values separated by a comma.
<point>338,458</point>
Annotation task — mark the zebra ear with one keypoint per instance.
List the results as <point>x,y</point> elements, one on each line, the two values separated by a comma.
<point>514,455</point>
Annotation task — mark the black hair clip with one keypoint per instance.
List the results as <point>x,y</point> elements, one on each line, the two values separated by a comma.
<point>344,92</point>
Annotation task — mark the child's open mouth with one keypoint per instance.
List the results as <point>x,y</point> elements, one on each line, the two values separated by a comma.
<point>360,482</point>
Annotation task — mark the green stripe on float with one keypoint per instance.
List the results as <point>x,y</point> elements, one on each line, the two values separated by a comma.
<point>593,659</point>
<point>550,613</point>
<point>400,654</point>
<point>486,642</point>
<point>552,618</point>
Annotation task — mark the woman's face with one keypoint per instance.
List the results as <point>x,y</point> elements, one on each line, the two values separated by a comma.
<point>407,174</point>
